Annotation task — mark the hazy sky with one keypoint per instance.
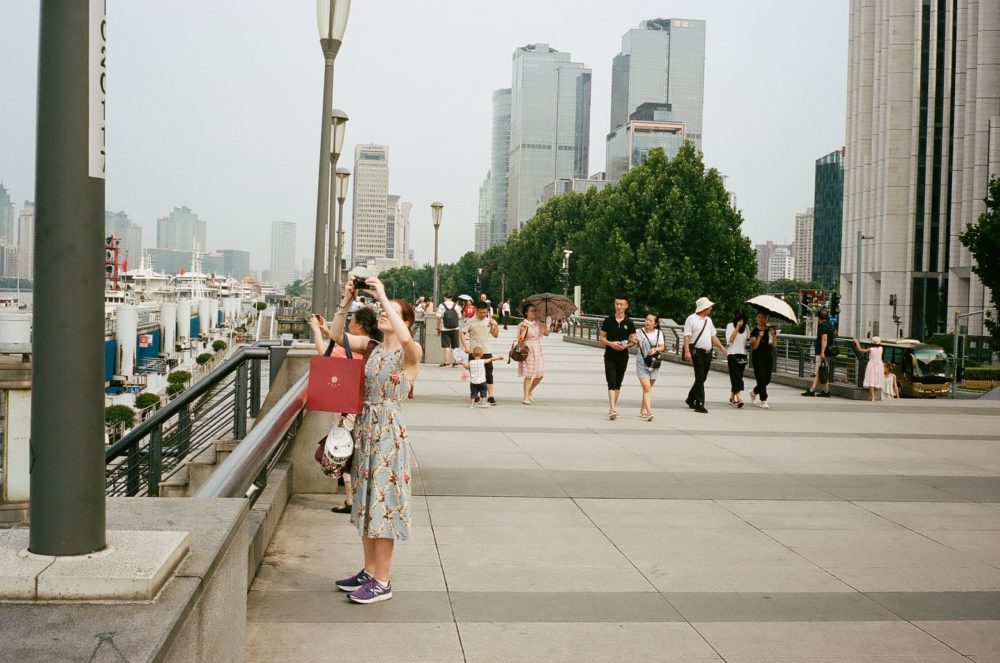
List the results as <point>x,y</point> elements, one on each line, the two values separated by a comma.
<point>217,105</point>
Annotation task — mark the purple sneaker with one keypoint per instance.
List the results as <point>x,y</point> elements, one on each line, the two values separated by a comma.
<point>356,581</point>
<point>371,592</point>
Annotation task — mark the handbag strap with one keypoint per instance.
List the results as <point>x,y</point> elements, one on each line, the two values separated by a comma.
<point>697,338</point>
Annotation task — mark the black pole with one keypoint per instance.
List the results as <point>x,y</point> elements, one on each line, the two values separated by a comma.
<point>67,379</point>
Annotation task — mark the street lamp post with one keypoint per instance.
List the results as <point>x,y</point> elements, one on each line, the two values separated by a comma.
<point>479,278</point>
<point>338,124</point>
<point>857,285</point>
<point>343,175</point>
<point>565,271</point>
<point>436,208</point>
<point>331,17</point>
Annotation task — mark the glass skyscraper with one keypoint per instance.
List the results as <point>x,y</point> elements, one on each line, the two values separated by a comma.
<point>549,127</point>
<point>828,219</point>
<point>662,61</point>
<point>499,168</point>
<point>650,126</point>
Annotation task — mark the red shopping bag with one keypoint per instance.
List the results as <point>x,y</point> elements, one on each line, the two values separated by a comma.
<point>337,384</point>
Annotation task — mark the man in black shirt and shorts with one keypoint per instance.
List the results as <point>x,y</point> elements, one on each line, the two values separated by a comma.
<point>617,336</point>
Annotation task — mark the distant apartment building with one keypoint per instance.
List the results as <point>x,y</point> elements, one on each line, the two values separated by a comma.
<point>763,254</point>
<point>803,245</point>
<point>579,185</point>
<point>923,126</point>
<point>180,229</point>
<point>8,219</point>
<point>499,166</point>
<point>662,62</point>
<point>370,204</point>
<point>282,270</point>
<point>235,263</point>
<point>781,264</point>
<point>482,234</point>
<point>121,226</point>
<point>828,219</point>
<point>26,241</point>
<point>8,261</point>
<point>549,126</point>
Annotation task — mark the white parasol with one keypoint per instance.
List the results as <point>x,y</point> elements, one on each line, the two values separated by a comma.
<point>774,307</point>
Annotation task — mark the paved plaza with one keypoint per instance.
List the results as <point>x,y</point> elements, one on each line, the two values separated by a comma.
<point>821,530</point>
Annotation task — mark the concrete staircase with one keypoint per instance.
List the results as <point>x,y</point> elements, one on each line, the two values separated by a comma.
<point>196,470</point>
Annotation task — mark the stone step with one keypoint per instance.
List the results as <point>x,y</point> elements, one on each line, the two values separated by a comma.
<point>176,485</point>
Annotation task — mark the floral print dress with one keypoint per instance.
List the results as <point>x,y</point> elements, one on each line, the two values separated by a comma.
<point>381,471</point>
<point>534,365</point>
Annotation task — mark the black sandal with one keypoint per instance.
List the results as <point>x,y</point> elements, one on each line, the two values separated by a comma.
<point>342,509</point>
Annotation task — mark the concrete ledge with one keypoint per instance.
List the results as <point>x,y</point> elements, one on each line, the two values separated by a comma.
<point>134,567</point>
<point>265,516</point>
<point>842,390</point>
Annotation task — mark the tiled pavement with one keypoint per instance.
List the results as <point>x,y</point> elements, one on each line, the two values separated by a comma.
<point>825,531</point>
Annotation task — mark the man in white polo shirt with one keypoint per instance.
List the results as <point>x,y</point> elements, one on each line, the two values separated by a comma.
<point>699,337</point>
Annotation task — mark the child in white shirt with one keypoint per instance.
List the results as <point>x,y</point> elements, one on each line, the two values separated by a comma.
<point>476,366</point>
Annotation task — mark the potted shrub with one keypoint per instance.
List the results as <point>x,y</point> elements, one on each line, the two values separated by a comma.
<point>179,377</point>
<point>146,400</point>
<point>119,415</point>
<point>203,358</point>
<point>219,345</point>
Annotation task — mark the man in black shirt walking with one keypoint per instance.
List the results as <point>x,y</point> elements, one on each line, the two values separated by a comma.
<point>826,350</point>
<point>617,336</point>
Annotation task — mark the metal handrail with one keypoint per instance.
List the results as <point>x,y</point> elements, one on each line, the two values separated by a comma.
<point>245,471</point>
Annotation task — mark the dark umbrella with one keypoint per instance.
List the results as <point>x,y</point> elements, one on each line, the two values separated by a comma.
<point>550,305</point>
<point>774,307</point>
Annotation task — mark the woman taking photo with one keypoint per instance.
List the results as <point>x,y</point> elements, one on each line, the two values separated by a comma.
<point>532,369</point>
<point>763,340</point>
<point>647,361</point>
<point>382,490</point>
<point>874,371</point>
<point>736,345</point>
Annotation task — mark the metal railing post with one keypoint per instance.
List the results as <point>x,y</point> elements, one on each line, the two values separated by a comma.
<point>240,403</point>
<point>155,462</point>
<point>255,378</point>
<point>183,432</point>
<point>133,477</point>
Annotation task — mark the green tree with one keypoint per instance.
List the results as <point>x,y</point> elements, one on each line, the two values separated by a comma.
<point>295,288</point>
<point>178,377</point>
<point>261,306</point>
<point>219,345</point>
<point>146,399</point>
<point>119,414</point>
<point>983,241</point>
<point>175,388</point>
<point>203,358</point>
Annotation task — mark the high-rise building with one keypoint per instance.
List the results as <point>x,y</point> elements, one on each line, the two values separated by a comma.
<point>663,62</point>
<point>828,219</point>
<point>650,126</point>
<point>405,235</point>
<point>499,166</point>
<point>121,226</point>
<point>549,126</point>
<point>803,246</point>
<point>26,241</point>
<point>781,264</point>
<point>763,254</point>
<point>282,270</point>
<point>923,101</point>
<point>236,263</point>
<point>180,230</point>
<point>392,214</point>
<point>559,187</point>
<point>370,203</point>
<point>8,261</point>
<point>483,223</point>
<point>8,220</point>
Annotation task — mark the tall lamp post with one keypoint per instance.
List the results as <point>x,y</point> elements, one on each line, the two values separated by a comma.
<point>565,271</point>
<point>479,278</point>
<point>343,175</point>
<point>857,286</point>
<point>436,208</point>
<point>331,17</point>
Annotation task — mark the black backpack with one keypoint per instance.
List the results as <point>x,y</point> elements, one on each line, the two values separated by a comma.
<point>450,317</point>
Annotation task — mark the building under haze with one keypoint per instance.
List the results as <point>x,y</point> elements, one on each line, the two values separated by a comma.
<point>781,264</point>
<point>662,62</point>
<point>763,254</point>
<point>483,223</point>
<point>180,230</point>
<point>650,126</point>
<point>121,226</point>
<point>499,166</point>
<point>370,203</point>
<point>549,126</point>
<point>26,241</point>
<point>923,123</point>
<point>802,248</point>
<point>235,263</point>
<point>8,220</point>
<point>282,270</point>
<point>828,219</point>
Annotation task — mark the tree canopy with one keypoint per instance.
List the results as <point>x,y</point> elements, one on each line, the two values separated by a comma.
<point>983,241</point>
<point>664,236</point>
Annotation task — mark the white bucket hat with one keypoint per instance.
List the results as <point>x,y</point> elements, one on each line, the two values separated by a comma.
<point>702,304</point>
<point>876,340</point>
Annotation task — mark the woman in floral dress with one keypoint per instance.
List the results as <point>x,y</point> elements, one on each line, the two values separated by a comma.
<point>531,369</point>
<point>382,489</point>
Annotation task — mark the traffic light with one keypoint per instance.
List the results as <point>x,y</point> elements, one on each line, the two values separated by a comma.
<point>834,304</point>
<point>805,301</point>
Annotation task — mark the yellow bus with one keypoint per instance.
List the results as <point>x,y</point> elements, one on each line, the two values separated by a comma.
<point>921,369</point>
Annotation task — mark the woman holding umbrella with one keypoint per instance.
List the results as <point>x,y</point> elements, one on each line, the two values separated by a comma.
<point>763,340</point>
<point>529,332</point>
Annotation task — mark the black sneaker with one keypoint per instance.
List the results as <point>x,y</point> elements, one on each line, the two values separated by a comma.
<point>823,394</point>
<point>700,409</point>
<point>808,392</point>
<point>492,401</point>
<point>691,404</point>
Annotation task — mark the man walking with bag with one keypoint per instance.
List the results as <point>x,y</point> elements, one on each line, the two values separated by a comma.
<point>826,350</point>
<point>699,337</point>
<point>448,317</point>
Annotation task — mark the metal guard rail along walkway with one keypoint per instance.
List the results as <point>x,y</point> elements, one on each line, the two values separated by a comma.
<point>794,355</point>
<point>216,406</point>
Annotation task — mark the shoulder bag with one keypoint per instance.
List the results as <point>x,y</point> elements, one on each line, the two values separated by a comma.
<point>654,360</point>
<point>337,384</point>
<point>518,351</point>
